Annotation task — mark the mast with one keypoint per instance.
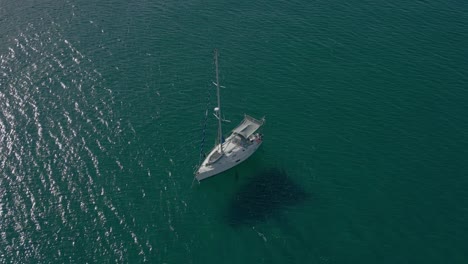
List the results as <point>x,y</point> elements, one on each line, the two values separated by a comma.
<point>218,109</point>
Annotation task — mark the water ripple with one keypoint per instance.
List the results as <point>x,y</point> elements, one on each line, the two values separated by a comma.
<point>57,136</point>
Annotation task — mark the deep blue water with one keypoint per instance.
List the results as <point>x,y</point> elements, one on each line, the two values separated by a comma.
<point>365,153</point>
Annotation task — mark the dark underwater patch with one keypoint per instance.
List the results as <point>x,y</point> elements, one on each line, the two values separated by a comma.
<point>265,196</point>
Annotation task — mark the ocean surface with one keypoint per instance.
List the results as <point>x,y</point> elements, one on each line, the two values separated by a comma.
<point>364,160</point>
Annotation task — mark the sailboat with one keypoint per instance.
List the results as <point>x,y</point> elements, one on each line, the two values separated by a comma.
<point>238,147</point>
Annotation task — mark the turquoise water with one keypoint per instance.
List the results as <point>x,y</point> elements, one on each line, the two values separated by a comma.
<point>365,151</point>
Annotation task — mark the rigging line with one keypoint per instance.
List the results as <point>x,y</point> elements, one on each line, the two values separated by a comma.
<point>202,145</point>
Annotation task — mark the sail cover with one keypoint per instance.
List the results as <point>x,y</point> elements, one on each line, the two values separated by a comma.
<point>248,126</point>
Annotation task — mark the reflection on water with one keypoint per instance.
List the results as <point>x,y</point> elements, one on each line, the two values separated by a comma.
<point>268,194</point>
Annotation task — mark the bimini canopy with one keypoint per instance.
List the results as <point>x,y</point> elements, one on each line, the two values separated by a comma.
<point>248,126</point>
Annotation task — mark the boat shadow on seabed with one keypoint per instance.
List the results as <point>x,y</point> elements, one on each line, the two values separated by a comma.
<point>265,196</point>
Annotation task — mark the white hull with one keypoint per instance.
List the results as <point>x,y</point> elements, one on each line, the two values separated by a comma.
<point>234,153</point>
